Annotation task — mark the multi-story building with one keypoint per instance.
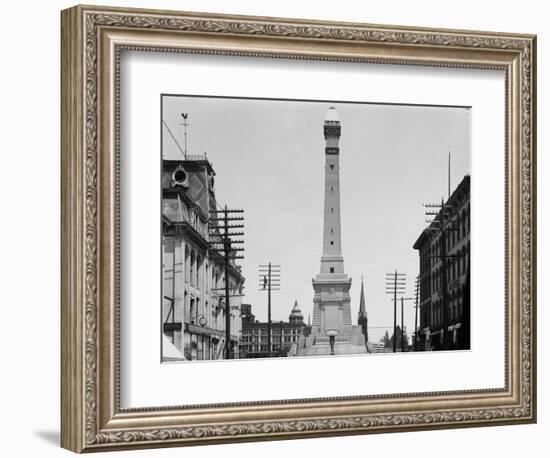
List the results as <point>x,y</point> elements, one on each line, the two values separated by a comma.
<point>445,291</point>
<point>193,280</point>
<point>284,334</point>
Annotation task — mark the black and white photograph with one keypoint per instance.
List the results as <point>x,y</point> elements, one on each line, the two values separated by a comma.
<point>297,228</point>
<point>252,230</point>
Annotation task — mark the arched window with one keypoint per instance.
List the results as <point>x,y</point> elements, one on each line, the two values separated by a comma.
<point>453,234</point>
<point>455,268</point>
<point>187,265</point>
<point>198,271</point>
<point>192,268</point>
<point>457,299</point>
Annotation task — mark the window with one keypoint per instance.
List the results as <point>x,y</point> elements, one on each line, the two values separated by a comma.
<point>332,270</point>
<point>192,311</point>
<point>332,242</point>
<point>192,268</point>
<point>197,272</point>
<point>197,309</point>
<point>331,166</point>
<point>187,265</point>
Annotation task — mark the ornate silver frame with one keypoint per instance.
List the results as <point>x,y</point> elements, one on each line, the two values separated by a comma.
<point>92,38</point>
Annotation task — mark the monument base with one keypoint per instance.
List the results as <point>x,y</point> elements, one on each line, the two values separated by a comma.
<point>331,305</point>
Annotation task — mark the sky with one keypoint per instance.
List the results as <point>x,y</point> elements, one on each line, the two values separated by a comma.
<point>268,156</point>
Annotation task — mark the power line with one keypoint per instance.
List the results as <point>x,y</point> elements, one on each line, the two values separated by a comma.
<point>444,221</point>
<point>395,283</point>
<point>270,278</point>
<point>222,240</point>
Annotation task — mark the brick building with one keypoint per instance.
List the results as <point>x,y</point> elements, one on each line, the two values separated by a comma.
<point>285,335</point>
<point>445,293</point>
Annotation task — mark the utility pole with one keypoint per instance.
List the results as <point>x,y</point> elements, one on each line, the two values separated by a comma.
<point>270,280</point>
<point>221,232</point>
<point>402,323</point>
<point>395,283</point>
<point>442,224</point>
<point>449,176</point>
<point>417,293</point>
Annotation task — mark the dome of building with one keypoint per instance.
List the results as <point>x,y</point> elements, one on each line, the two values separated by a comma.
<point>332,115</point>
<point>296,315</point>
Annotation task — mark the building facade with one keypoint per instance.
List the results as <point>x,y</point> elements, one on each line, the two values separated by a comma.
<point>331,299</point>
<point>285,336</point>
<point>193,280</point>
<point>444,252</point>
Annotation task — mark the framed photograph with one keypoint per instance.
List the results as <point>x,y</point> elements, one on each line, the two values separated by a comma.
<point>277,228</point>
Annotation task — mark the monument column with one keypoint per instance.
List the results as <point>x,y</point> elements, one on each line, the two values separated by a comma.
<point>331,310</point>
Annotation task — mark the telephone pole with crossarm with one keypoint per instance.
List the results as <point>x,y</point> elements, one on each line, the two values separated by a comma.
<point>223,224</point>
<point>395,283</point>
<point>270,280</point>
<point>443,223</point>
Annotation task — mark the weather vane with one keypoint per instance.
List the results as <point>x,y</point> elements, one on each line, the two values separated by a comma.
<point>185,124</point>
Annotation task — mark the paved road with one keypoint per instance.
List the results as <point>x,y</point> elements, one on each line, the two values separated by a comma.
<point>341,348</point>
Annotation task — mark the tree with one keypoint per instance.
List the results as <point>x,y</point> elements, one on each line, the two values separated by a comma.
<point>406,338</point>
<point>386,340</point>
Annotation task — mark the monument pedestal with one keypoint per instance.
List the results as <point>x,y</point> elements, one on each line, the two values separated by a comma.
<point>331,305</point>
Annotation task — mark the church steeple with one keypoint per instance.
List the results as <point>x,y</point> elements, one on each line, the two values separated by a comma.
<point>362,319</point>
<point>362,316</point>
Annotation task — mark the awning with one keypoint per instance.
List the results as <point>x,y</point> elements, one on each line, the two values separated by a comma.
<point>194,329</point>
<point>169,351</point>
